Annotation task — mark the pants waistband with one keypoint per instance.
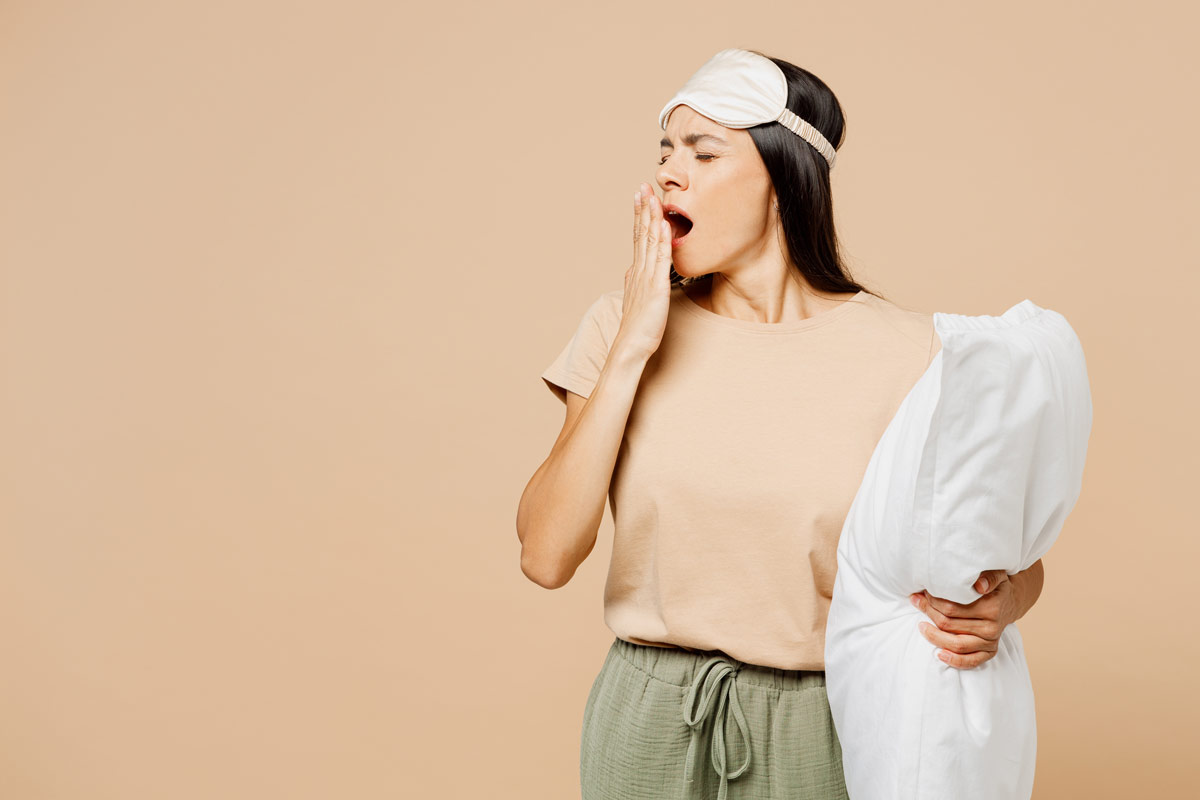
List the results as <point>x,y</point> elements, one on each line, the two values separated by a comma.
<point>711,679</point>
<point>680,667</point>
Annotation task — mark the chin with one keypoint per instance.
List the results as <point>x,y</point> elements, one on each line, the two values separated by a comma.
<point>682,271</point>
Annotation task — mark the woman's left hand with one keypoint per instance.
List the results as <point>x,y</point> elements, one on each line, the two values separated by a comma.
<point>969,635</point>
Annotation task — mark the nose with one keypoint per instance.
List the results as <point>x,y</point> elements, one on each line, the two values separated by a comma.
<point>668,176</point>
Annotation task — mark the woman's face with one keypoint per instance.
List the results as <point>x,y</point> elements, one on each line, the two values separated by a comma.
<point>717,177</point>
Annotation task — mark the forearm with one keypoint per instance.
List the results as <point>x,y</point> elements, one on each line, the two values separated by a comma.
<point>1028,586</point>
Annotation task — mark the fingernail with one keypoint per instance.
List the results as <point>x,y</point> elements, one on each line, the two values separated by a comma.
<point>914,600</point>
<point>985,584</point>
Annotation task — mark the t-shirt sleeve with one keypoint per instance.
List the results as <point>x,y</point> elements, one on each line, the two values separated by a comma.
<point>578,366</point>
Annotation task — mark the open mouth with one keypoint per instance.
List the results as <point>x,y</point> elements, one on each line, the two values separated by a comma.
<point>681,226</point>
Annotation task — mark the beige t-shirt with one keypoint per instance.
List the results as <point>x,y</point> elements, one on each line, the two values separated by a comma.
<point>744,448</point>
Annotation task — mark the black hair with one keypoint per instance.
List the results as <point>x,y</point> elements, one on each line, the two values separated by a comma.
<point>800,176</point>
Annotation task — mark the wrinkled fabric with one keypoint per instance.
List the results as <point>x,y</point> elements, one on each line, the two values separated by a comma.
<point>668,724</point>
<point>737,468</point>
<point>978,470</point>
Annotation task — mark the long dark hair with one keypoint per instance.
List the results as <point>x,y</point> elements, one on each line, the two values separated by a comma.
<point>800,176</point>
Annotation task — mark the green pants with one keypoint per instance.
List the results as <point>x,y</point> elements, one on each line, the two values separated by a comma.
<point>674,724</point>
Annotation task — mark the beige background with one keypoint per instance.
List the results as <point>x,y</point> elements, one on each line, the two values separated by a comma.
<point>278,280</point>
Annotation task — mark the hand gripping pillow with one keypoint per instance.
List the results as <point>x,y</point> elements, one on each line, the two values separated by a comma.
<point>977,470</point>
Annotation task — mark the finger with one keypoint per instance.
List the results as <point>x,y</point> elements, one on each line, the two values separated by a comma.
<point>983,608</point>
<point>941,606</point>
<point>989,580</point>
<point>637,214</point>
<point>664,251</point>
<point>643,225</point>
<point>981,619</point>
<point>956,625</point>
<point>968,661</point>
<point>961,643</point>
<point>985,624</point>
<point>640,226</point>
<point>653,232</point>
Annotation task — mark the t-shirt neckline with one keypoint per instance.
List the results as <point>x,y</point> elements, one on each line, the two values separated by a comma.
<point>770,327</point>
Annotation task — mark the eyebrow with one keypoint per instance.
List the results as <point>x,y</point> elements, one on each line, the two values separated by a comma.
<point>692,138</point>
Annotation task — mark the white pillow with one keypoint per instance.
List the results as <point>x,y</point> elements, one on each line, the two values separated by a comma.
<point>977,470</point>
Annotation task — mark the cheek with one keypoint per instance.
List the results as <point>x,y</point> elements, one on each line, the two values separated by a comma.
<point>742,204</point>
<point>733,211</point>
<point>740,222</point>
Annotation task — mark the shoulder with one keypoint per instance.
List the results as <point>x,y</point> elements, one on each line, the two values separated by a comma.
<point>910,325</point>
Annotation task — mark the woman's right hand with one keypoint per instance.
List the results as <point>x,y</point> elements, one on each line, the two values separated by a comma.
<point>648,281</point>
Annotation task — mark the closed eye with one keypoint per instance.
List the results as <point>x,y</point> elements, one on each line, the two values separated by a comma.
<point>699,157</point>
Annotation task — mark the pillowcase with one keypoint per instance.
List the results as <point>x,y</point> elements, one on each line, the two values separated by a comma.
<point>977,470</point>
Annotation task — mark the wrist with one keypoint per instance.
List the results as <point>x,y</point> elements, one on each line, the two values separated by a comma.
<point>629,355</point>
<point>1022,596</point>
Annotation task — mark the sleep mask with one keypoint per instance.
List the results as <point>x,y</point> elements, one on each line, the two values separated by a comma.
<point>738,89</point>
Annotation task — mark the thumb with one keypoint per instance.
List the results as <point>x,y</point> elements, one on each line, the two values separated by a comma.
<point>989,579</point>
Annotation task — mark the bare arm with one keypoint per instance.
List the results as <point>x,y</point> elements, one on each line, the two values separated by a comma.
<point>1028,584</point>
<point>563,504</point>
<point>969,635</point>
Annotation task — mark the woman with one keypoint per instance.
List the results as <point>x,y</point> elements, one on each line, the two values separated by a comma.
<point>728,407</point>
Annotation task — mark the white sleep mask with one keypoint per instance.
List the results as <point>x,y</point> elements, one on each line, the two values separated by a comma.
<point>738,89</point>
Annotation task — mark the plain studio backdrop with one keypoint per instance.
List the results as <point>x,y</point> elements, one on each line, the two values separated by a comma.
<point>277,281</point>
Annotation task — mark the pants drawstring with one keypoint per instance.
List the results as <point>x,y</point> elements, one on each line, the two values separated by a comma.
<point>709,683</point>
